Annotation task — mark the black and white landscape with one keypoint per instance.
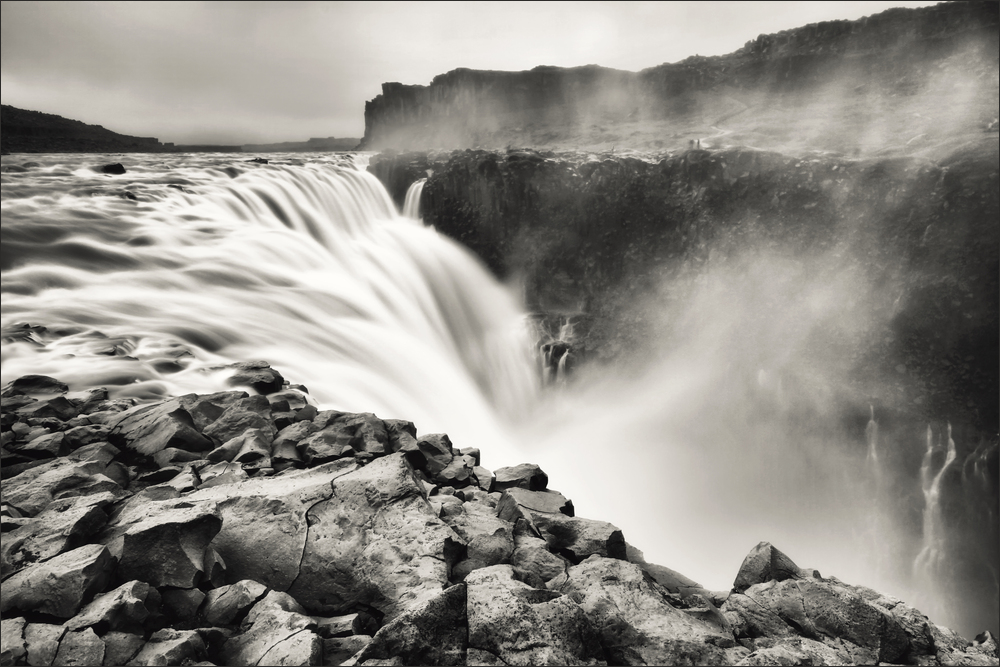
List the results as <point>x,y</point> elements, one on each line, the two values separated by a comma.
<point>315,355</point>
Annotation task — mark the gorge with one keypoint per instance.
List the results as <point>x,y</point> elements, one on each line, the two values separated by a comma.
<point>721,305</point>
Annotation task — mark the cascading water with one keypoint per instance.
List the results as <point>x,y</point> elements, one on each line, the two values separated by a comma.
<point>411,205</point>
<point>305,264</point>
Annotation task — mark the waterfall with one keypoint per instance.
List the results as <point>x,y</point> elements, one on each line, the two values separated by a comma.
<point>931,564</point>
<point>411,205</point>
<point>307,266</point>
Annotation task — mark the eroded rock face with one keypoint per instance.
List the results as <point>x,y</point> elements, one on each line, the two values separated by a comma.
<point>521,625</point>
<point>637,625</point>
<point>374,541</point>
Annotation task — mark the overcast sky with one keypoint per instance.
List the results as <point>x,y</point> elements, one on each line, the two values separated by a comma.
<point>243,72</point>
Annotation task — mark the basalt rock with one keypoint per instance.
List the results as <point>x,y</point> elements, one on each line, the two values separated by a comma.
<point>377,558</point>
<point>61,585</point>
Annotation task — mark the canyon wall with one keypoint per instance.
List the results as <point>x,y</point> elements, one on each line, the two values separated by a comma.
<point>36,132</point>
<point>841,85</point>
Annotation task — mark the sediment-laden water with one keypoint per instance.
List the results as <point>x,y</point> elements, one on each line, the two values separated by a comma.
<point>148,282</point>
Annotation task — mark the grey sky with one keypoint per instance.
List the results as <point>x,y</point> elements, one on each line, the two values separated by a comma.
<point>242,72</point>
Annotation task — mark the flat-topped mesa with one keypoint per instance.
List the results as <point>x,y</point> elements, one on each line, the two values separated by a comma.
<point>343,537</point>
<point>833,71</point>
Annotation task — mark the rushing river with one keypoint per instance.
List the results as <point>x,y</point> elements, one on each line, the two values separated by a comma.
<point>148,282</point>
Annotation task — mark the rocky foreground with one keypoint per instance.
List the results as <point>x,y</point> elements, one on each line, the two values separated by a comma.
<point>245,528</point>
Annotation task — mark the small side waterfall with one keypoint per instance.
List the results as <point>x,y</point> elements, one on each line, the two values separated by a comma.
<point>931,564</point>
<point>411,205</point>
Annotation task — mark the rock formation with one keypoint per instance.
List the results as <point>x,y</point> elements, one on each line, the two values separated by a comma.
<point>36,132</point>
<point>273,534</point>
<point>837,85</point>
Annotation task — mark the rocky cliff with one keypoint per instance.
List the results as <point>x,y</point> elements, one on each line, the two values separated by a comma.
<point>889,264</point>
<point>35,132</point>
<point>244,529</point>
<point>849,86</point>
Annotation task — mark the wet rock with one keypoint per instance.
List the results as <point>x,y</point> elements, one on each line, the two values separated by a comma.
<point>459,473</point>
<point>12,644</point>
<point>163,542</point>
<point>148,429</point>
<point>252,412</point>
<point>270,626</point>
<point>374,542</point>
<point>256,374</point>
<point>764,563</point>
<point>206,408</point>
<point>402,434</point>
<point>171,647</point>
<point>58,407</point>
<point>328,444</point>
<point>121,647</point>
<point>83,648</point>
<point>116,168</point>
<point>526,476</point>
<point>433,453</point>
<point>431,633</point>
<point>61,585</point>
<point>43,447</point>
<point>42,640</point>
<point>123,609</point>
<point>370,434</point>
<point>823,609</point>
<point>84,435</point>
<point>228,604</point>
<point>64,525</point>
<point>637,624</point>
<point>34,384</point>
<point>522,625</point>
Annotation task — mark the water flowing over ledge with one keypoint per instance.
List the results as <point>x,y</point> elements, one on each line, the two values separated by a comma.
<point>307,266</point>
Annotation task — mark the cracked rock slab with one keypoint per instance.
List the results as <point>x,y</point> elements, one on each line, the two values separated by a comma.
<point>264,528</point>
<point>637,625</point>
<point>824,610</point>
<point>82,648</point>
<point>431,633</point>
<point>163,542</point>
<point>521,625</point>
<point>375,541</point>
<point>171,647</point>
<point>61,585</point>
<point>12,644</point>
<point>63,525</point>
<point>121,609</point>
<point>225,605</point>
<point>272,622</point>
<point>33,490</point>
